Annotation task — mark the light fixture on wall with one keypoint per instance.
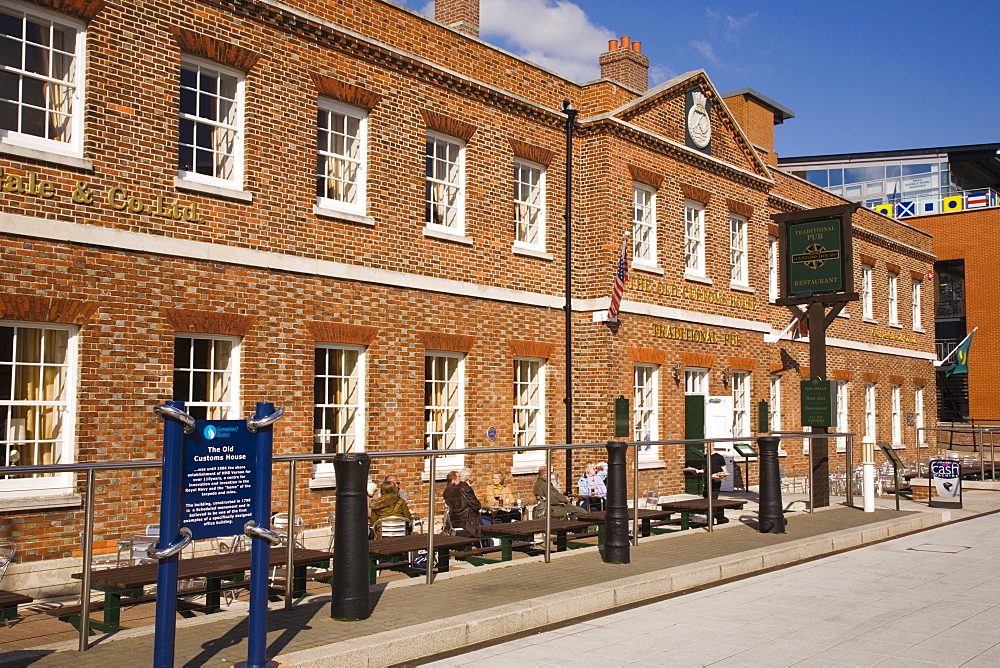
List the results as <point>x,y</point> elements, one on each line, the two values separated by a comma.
<point>726,374</point>
<point>677,372</point>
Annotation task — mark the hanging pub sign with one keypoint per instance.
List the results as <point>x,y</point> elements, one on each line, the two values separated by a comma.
<point>816,255</point>
<point>220,457</point>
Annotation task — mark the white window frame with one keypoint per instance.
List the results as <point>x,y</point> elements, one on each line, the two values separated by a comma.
<point>328,156</point>
<point>447,462</point>
<point>892,285</point>
<point>644,230</point>
<point>694,239</point>
<point>646,411</point>
<point>529,205</point>
<point>64,446</point>
<point>524,427</point>
<point>774,402</point>
<point>867,311</point>
<point>842,398</point>
<point>358,405</point>
<point>772,268</point>
<point>918,415</point>
<point>435,139</point>
<point>741,404</point>
<point>897,417</point>
<point>871,414</point>
<point>14,139</point>
<point>227,410</point>
<point>915,310</point>
<point>739,276</point>
<point>234,181</point>
<point>696,381</point>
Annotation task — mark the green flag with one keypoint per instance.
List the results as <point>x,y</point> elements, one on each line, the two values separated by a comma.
<point>961,364</point>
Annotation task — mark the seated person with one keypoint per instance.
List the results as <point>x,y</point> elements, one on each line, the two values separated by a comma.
<point>560,508</point>
<point>501,497</point>
<point>388,504</point>
<point>591,489</point>
<point>463,504</point>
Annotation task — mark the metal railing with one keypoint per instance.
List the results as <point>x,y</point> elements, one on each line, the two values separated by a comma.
<point>848,460</point>
<point>983,432</point>
<point>90,469</point>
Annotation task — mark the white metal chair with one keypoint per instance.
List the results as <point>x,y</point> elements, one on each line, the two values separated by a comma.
<point>653,499</point>
<point>392,525</point>
<point>279,524</point>
<point>7,550</point>
<point>333,529</point>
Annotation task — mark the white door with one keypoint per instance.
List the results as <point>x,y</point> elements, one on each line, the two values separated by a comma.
<point>719,424</point>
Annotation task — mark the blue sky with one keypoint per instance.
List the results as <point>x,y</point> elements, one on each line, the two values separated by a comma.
<point>860,76</point>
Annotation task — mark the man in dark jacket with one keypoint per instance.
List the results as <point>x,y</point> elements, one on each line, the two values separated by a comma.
<point>463,504</point>
<point>717,465</point>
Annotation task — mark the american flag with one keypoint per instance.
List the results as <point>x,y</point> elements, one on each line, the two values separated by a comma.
<point>618,289</point>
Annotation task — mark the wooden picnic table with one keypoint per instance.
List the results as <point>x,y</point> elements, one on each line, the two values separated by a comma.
<point>687,506</point>
<point>396,546</point>
<point>509,531</point>
<point>124,585</point>
<point>646,518</point>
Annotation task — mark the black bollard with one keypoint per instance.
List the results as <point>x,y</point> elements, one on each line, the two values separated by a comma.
<point>770,517</point>
<point>350,556</point>
<point>616,545</point>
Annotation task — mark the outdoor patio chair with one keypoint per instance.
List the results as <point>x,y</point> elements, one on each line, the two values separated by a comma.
<point>7,550</point>
<point>391,526</point>
<point>279,524</point>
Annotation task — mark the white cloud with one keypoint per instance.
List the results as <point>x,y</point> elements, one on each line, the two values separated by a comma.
<point>707,52</point>
<point>555,34</point>
<point>731,25</point>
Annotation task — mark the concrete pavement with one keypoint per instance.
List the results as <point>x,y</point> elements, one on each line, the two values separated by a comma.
<point>411,620</point>
<point>926,599</point>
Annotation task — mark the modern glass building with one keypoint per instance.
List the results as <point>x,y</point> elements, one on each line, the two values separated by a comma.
<point>906,183</point>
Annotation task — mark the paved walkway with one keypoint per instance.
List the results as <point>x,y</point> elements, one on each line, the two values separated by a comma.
<point>926,599</point>
<point>412,620</point>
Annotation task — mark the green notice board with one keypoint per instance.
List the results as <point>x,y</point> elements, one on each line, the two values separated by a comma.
<point>621,417</point>
<point>816,397</point>
<point>816,257</point>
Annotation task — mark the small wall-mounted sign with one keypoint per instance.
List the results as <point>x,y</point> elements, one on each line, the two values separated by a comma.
<point>491,433</point>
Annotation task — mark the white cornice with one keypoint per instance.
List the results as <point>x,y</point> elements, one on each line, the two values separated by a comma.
<point>138,242</point>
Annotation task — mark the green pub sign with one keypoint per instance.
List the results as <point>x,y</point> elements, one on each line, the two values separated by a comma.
<point>816,257</point>
<point>621,417</point>
<point>816,397</point>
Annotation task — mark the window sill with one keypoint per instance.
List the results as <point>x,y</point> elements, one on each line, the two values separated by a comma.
<point>697,278</point>
<point>870,321</point>
<point>343,216</point>
<point>323,482</point>
<point>741,287</point>
<point>238,194</point>
<point>444,235</point>
<point>652,464</point>
<point>648,268</point>
<point>843,314</point>
<point>9,148</point>
<point>895,325</point>
<point>527,251</point>
<point>920,331</point>
<point>43,502</point>
<point>526,469</point>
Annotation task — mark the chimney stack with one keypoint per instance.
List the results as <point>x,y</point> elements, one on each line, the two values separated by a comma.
<point>462,15</point>
<point>624,63</point>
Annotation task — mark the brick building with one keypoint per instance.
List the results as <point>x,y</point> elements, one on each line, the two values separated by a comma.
<point>965,285</point>
<point>356,212</point>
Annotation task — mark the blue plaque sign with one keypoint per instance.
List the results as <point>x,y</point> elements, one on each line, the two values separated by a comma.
<point>220,458</point>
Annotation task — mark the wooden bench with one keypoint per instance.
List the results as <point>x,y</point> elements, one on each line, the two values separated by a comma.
<point>509,531</point>
<point>8,604</point>
<point>646,518</point>
<point>396,547</point>
<point>123,586</point>
<point>688,506</point>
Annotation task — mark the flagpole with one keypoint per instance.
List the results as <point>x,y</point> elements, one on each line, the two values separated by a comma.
<point>570,122</point>
<point>953,350</point>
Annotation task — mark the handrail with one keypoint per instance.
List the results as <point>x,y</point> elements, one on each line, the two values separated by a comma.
<point>91,468</point>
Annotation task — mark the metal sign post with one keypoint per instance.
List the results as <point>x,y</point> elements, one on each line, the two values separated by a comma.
<point>176,423</point>
<point>258,528</point>
<point>815,248</point>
